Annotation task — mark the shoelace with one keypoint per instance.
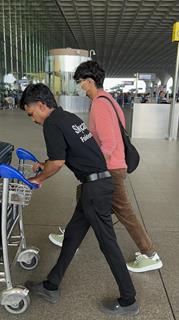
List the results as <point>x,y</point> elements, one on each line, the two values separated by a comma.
<point>139,257</point>
<point>61,230</point>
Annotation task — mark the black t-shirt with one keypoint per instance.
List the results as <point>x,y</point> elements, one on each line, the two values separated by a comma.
<point>67,138</point>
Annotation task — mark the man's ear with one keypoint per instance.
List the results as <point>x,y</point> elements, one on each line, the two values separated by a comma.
<point>91,81</point>
<point>42,106</point>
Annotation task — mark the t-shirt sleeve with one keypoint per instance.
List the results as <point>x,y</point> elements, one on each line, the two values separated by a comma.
<point>55,142</point>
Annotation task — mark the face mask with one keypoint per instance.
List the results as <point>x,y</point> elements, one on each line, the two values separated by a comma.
<point>81,92</point>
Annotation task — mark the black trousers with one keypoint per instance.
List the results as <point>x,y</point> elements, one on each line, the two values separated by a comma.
<point>94,209</point>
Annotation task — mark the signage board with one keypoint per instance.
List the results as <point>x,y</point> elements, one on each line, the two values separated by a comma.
<point>175,34</point>
<point>146,76</point>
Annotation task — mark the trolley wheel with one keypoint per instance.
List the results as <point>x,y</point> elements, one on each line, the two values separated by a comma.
<point>19,307</point>
<point>31,265</point>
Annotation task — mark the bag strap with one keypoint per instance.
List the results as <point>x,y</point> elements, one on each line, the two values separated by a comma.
<point>123,130</point>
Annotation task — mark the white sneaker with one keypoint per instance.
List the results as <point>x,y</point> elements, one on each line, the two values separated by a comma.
<point>143,263</point>
<point>57,239</point>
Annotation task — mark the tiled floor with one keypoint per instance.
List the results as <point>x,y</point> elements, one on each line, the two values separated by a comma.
<point>154,192</point>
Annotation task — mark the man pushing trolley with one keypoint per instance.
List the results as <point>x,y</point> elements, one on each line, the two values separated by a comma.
<point>69,142</point>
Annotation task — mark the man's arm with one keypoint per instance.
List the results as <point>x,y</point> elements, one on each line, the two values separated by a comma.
<point>50,168</point>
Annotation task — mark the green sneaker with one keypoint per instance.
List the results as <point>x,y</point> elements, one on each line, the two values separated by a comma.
<point>143,263</point>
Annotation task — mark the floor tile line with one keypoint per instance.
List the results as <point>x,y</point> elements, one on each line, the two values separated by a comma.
<point>166,293</point>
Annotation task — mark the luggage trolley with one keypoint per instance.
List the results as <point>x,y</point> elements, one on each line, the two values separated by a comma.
<point>15,193</point>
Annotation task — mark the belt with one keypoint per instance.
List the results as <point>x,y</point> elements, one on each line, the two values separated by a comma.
<point>96,176</point>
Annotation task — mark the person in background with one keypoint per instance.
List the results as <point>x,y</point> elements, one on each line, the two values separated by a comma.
<point>115,95</point>
<point>120,99</point>
<point>104,126</point>
<point>162,97</point>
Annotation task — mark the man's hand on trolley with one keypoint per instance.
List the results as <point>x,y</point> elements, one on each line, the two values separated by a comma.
<point>38,167</point>
<point>47,169</point>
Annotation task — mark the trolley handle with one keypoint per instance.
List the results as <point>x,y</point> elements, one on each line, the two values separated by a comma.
<point>23,154</point>
<point>9,172</point>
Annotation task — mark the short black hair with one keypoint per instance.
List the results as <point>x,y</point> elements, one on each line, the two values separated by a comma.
<point>90,69</point>
<point>38,92</point>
